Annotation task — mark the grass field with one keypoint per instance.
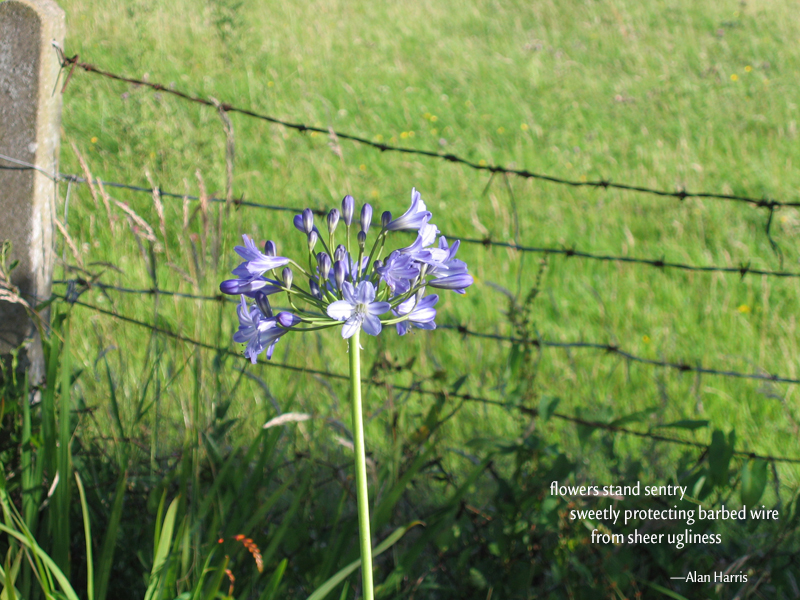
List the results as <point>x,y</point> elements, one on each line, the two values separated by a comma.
<point>670,94</point>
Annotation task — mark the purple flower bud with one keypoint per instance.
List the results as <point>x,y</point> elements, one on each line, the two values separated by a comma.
<point>248,286</point>
<point>386,217</point>
<point>263,304</point>
<point>287,319</point>
<point>457,282</point>
<point>308,220</point>
<point>287,277</point>
<point>362,238</point>
<point>339,273</point>
<point>314,287</point>
<point>270,249</point>
<point>324,262</point>
<point>312,240</point>
<point>348,206</point>
<point>366,217</point>
<point>378,265</point>
<point>340,253</point>
<point>333,220</point>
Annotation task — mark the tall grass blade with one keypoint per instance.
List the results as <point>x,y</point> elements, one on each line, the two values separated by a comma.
<point>62,500</point>
<point>87,533</point>
<point>103,573</point>
<point>327,587</point>
<point>162,543</point>
<point>274,581</point>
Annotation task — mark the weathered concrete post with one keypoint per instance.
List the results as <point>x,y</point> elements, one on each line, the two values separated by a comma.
<point>30,115</point>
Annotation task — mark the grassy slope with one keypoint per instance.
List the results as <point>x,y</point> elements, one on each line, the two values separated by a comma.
<point>662,94</point>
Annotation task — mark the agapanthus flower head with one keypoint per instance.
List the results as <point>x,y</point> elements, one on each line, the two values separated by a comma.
<point>355,287</point>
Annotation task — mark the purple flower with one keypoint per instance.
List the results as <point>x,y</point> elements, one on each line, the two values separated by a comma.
<point>366,217</point>
<point>348,206</point>
<point>458,282</point>
<point>420,315</point>
<point>358,309</point>
<point>257,263</point>
<point>249,285</point>
<point>414,218</point>
<point>425,237</point>
<point>398,272</point>
<point>259,332</point>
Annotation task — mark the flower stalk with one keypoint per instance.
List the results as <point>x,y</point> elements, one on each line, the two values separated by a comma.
<point>362,496</point>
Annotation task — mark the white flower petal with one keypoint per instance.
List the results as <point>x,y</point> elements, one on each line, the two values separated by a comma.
<point>340,310</point>
<point>351,326</point>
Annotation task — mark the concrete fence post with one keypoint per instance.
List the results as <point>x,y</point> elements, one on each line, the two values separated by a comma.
<point>30,115</point>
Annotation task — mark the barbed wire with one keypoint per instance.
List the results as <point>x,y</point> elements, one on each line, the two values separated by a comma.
<point>465,331</point>
<point>486,242</point>
<point>681,194</point>
<point>417,389</point>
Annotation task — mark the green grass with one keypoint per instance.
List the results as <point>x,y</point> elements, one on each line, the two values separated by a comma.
<point>667,94</point>
<point>636,93</point>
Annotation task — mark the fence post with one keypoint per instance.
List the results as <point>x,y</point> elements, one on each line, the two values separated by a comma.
<point>30,115</point>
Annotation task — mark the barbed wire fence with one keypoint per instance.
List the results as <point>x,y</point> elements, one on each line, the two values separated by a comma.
<point>73,292</point>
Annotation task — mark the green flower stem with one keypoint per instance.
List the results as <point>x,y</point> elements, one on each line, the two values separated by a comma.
<point>361,470</point>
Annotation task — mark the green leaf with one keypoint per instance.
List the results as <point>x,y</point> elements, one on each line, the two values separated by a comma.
<point>274,581</point>
<point>163,544</point>
<point>87,532</point>
<point>719,456</point>
<point>327,587</point>
<point>547,406</point>
<point>754,480</point>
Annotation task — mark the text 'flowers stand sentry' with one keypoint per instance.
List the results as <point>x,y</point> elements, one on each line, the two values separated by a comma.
<point>354,291</point>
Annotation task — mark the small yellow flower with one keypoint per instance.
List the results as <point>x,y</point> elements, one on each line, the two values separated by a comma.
<point>734,77</point>
<point>646,339</point>
<point>378,138</point>
<point>427,115</point>
<point>743,308</point>
<point>94,140</point>
<point>524,127</point>
<point>784,219</point>
<point>468,104</point>
<point>403,135</point>
<point>270,83</point>
<point>374,193</point>
<point>362,167</point>
<point>434,118</point>
<point>501,130</point>
<point>569,165</point>
<point>434,131</point>
<point>748,68</point>
<point>482,162</point>
<point>583,178</point>
<point>152,155</point>
<point>411,134</point>
<point>766,82</point>
<point>314,133</point>
<point>393,139</point>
